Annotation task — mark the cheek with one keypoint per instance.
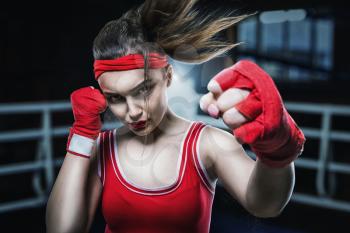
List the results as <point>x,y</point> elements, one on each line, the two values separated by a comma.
<point>118,110</point>
<point>157,101</point>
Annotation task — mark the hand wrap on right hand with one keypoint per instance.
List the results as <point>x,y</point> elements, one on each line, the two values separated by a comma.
<point>87,104</point>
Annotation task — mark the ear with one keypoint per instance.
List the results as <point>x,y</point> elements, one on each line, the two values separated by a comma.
<point>169,74</point>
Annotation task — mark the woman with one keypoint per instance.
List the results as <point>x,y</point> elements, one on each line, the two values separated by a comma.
<point>158,172</point>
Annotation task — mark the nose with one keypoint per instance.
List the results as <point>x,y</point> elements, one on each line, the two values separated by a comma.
<point>135,112</point>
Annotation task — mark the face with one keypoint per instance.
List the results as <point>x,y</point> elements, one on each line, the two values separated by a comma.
<point>130,102</point>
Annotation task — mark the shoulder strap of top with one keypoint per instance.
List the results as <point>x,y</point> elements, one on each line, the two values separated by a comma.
<point>198,160</point>
<point>102,154</point>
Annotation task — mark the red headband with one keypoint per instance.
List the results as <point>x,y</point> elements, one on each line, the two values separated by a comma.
<point>129,62</point>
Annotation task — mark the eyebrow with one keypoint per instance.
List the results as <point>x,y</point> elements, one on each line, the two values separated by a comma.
<point>132,90</point>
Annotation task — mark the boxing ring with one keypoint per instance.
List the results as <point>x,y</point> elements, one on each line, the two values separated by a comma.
<point>44,165</point>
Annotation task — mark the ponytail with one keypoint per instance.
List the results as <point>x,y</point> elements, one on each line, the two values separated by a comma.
<point>175,27</point>
<point>184,32</point>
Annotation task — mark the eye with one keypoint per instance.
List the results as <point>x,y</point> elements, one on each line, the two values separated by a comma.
<point>114,99</point>
<point>144,91</point>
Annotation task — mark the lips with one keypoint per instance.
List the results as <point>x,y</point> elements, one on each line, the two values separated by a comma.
<point>138,125</point>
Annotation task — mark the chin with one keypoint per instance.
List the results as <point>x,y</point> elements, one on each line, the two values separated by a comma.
<point>143,132</point>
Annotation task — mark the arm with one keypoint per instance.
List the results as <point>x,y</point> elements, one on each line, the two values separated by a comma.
<point>269,189</point>
<point>263,191</point>
<point>75,195</point>
<point>248,101</point>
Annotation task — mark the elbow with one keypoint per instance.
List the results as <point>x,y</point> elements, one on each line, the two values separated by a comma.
<point>266,212</point>
<point>63,228</point>
<point>267,208</point>
<point>61,223</point>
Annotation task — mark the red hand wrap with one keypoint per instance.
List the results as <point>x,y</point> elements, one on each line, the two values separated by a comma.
<point>272,133</point>
<point>87,104</point>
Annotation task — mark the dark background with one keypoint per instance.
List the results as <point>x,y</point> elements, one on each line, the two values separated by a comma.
<point>45,54</point>
<point>45,47</point>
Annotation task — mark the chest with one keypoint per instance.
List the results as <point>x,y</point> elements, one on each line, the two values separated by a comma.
<point>151,166</point>
<point>158,164</point>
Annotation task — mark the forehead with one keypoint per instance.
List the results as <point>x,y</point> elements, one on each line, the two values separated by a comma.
<point>124,81</point>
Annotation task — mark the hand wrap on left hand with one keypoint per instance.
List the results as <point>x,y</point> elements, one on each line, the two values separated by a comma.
<point>272,133</point>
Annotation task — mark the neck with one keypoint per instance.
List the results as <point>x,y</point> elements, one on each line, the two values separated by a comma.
<point>169,126</point>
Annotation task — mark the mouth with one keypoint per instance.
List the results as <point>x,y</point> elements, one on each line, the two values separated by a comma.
<point>138,125</point>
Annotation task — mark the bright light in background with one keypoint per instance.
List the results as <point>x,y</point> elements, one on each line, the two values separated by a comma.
<point>188,79</point>
<point>282,16</point>
<point>182,97</point>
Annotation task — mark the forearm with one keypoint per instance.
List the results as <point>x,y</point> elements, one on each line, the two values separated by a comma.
<point>67,208</point>
<point>269,189</point>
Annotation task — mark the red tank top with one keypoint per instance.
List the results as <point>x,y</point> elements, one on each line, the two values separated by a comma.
<point>184,206</point>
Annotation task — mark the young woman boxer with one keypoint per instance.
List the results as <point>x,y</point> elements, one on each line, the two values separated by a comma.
<point>157,173</point>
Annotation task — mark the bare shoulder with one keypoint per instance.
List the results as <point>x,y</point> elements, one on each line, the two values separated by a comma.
<point>216,142</point>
